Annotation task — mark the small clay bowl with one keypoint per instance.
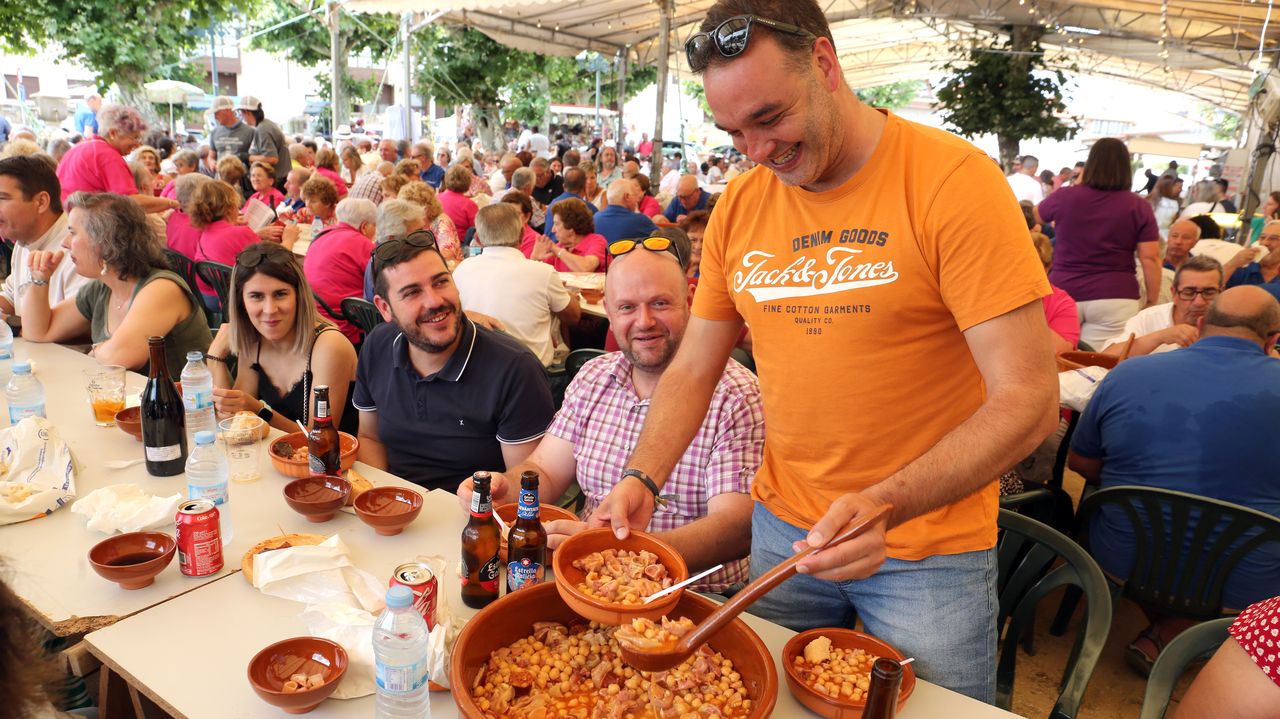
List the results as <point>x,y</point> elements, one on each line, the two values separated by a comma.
<point>317,498</point>
<point>546,513</point>
<point>134,559</point>
<point>592,296</point>
<point>594,540</point>
<point>388,509</point>
<point>129,420</point>
<point>298,467</point>
<point>272,667</point>
<point>833,707</point>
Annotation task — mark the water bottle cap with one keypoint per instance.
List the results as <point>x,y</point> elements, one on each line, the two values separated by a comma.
<point>22,367</point>
<point>399,596</point>
<point>195,356</point>
<point>204,437</point>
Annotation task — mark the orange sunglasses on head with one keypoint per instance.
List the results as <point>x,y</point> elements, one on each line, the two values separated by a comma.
<point>653,244</point>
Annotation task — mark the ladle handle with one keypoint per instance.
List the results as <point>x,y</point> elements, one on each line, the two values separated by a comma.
<point>770,579</point>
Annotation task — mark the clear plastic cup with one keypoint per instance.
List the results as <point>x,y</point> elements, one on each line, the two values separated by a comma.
<point>105,385</point>
<point>243,439</point>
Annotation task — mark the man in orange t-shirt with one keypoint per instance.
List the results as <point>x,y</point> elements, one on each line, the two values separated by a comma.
<point>895,310</point>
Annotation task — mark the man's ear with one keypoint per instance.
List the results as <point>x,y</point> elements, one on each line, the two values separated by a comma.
<point>384,307</point>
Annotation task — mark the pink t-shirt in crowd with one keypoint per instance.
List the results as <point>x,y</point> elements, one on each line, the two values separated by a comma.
<point>591,245</point>
<point>461,209</point>
<point>1060,313</point>
<point>334,266</point>
<point>180,235</point>
<point>221,242</point>
<point>335,178</point>
<point>527,238</point>
<point>649,206</point>
<point>170,191</point>
<point>270,198</point>
<point>95,166</point>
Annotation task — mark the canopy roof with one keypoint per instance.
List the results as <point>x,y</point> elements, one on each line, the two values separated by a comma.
<point>1203,48</point>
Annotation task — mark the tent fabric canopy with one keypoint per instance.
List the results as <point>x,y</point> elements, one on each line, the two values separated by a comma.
<point>1210,44</point>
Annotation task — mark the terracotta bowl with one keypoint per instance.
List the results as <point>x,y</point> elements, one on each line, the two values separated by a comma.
<point>1072,360</point>
<point>830,707</point>
<point>388,509</point>
<point>594,540</point>
<point>546,512</point>
<point>592,296</point>
<point>512,617</point>
<point>298,467</point>
<point>134,559</point>
<point>129,420</point>
<point>317,498</point>
<point>271,668</point>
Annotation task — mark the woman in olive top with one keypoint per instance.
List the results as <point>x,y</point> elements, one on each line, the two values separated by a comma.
<point>131,296</point>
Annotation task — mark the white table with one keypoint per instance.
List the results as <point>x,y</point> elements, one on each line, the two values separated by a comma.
<point>586,279</point>
<point>244,621</point>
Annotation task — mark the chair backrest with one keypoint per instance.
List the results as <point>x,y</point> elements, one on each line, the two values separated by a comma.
<point>744,358</point>
<point>361,313</point>
<point>577,358</point>
<point>217,276</point>
<point>1179,566</point>
<point>329,311</point>
<point>184,266</point>
<point>1034,560</point>
<point>1198,642</point>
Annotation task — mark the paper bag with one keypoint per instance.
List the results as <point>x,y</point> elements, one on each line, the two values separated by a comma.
<point>37,471</point>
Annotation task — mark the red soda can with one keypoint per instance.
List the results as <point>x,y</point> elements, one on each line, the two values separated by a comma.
<point>419,578</point>
<point>199,538</point>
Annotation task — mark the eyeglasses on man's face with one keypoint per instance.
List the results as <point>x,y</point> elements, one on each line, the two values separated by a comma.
<point>1189,293</point>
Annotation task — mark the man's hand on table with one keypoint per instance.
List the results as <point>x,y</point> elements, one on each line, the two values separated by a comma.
<point>857,558</point>
<point>629,504</point>
<point>1181,335</point>
<point>559,530</point>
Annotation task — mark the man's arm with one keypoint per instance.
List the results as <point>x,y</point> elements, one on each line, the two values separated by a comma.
<point>552,460</point>
<point>724,535</point>
<point>1087,467</point>
<point>1015,359</point>
<point>514,454</point>
<point>371,451</point>
<point>1182,335</point>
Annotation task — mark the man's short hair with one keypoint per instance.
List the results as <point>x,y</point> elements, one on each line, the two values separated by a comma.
<point>1224,184</point>
<point>499,225</point>
<point>1198,263</point>
<point>618,190</point>
<point>1262,325</point>
<point>523,178</point>
<point>804,14</point>
<point>1209,230</point>
<point>1030,162</point>
<point>575,180</point>
<point>34,175</point>
<point>407,252</point>
<point>571,158</point>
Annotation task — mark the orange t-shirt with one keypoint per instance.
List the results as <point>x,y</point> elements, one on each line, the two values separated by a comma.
<point>857,299</point>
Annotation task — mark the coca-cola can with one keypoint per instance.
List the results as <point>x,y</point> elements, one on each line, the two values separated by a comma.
<point>419,578</point>
<point>199,538</point>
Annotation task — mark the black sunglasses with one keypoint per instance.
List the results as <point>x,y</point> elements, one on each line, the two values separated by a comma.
<point>731,37</point>
<point>397,250</point>
<point>254,256</point>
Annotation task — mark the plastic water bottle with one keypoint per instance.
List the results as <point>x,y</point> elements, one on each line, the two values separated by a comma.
<point>400,651</point>
<point>207,478</point>
<point>24,393</point>
<point>317,226</point>
<point>6,351</point>
<point>197,397</point>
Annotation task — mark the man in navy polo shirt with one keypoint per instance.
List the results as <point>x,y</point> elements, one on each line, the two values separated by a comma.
<point>619,219</point>
<point>438,396</point>
<point>689,197</point>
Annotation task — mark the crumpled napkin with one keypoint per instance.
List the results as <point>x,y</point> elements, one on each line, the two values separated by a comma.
<point>126,508</point>
<point>37,471</point>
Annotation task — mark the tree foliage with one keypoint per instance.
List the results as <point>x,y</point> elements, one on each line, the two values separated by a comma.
<point>1006,89</point>
<point>306,41</point>
<point>894,96</point>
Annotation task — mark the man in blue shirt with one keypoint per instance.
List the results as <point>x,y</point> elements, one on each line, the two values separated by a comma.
<point>1201,420</point>
<point>575,183</point>
<point>5,129</point>
<point>689,197</point>
<point>619,220</point>
<point>86,122</point>
<point>431,173</point>
<point>1264,272</point>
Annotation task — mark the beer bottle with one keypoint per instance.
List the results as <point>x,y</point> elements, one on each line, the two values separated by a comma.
<point>882,695</point>
<point>322,441</point>
<point>479,567</point>
<point>527,540</point>
<point>164,441</point>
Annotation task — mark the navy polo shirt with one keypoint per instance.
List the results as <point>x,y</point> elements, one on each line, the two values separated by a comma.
<point>1202,420</point>
<point>677,208</point>
<point>1251,274</point>
<point>616,222</point>
<point>439,429</point>
<point>433,175</point>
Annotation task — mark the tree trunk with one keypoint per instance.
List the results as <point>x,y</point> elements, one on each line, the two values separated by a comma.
<point>489,128</point>
<point>1009,147</point>
<point>129,87</point>
<point>1024,38</point>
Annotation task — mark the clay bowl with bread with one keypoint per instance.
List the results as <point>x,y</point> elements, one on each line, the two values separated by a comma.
<point>289,454</point>
<point>840,706</point>
<point>317,498</point>
<point>546,513</point>
<point>513,617</point>
<point>133,559</point>
<point>584,543</point>
<point>297,674</point>
<point>129,420</point>
<point>280,541</point>
<point>388,509</point>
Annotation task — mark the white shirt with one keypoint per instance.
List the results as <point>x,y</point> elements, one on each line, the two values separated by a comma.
<point>522,293</point>
<point>540,146</point>
<point>1026,188</point>
<point>497,183</point>
<point>669,182</point>
<point>1152,319</point>
<point>64,283</point>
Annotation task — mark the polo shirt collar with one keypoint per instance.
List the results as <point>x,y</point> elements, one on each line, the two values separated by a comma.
<point>503,252</point>
<point>1230,343</point>
<point>453,368</point>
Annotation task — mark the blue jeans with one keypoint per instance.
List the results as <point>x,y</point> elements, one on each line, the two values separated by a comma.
<point>940,610</point>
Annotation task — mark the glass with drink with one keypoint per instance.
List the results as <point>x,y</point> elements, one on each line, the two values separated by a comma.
<point>106,393</point>
<point>242,438</point>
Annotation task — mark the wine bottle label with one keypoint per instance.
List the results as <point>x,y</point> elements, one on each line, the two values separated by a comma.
<point>528,507</point>
<point>163,454</point>
<point>524,573</point>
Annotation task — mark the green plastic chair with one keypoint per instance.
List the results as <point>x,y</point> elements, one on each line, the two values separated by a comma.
<point>1197,643</point>
<point>577,358</point>
<point>1034,560</point>
<point>217,276</point>
<point>361,313</point>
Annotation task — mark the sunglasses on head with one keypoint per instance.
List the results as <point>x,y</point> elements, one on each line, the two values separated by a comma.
<point>730,38</point>
<point>398,250</point>
<point>254,256</point>
<point>653,244</point>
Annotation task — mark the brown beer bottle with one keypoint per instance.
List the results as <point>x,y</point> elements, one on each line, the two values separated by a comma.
<point>527,540</point>
<point>479,567</point>
<point>882,695</point>
<point>322,442</point>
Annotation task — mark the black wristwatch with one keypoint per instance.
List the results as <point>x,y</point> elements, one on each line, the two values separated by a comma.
<point>266,413</point>
<point>649,484</point>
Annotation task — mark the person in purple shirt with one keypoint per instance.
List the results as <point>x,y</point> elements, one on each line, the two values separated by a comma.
<point>689,197</point>
<point>1099,224</point>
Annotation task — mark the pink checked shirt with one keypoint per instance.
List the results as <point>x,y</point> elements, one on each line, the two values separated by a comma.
<point>602,417</point>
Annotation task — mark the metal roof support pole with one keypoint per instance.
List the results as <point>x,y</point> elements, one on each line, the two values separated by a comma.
<point>623,67</point>
<point>337,68</point>
<point>406,20</point>
<point>664,54</point>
